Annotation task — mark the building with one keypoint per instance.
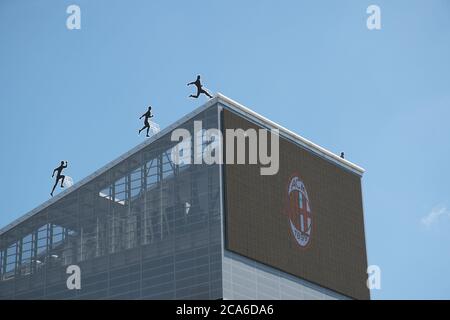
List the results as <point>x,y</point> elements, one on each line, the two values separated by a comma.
<point>145,227</point>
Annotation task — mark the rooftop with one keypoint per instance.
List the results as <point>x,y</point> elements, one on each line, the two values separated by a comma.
<point>227,103</point>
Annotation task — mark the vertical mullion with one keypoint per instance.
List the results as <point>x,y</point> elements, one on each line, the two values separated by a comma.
<point>160,180</point>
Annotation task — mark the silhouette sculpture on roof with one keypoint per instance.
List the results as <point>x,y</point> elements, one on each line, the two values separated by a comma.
<point>200,88</point>
<point>59,176</point>
<point>146,116</point>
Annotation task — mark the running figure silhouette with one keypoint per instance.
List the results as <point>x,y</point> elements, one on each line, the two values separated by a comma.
<point>59,176</point>
<point>147,115</point>
<point>200,89</point>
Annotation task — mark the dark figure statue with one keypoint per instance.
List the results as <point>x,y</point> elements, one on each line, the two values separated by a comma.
<point>59,176</point>
<point>200,89</point>
<point>147,116</point>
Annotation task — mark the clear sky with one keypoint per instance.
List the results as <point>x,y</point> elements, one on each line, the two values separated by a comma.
<point>381,96</point>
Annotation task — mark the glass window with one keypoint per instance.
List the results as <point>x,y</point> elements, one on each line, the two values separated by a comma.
<point>27,249</point>
<point>168,166</point>
<point>57,235</point>
<point>11,259</point>
<point>1,264</point>
<point>152,172</point>
<point>42,240</point>
<point>105,193</point>
<point>120,188</point>
<point>136,182</point>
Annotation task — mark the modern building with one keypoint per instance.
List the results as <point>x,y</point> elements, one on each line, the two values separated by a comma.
<point>148,227</point>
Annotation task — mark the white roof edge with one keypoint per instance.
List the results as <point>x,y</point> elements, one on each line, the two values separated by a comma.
<point>310,145</point>
<point>217,98</point>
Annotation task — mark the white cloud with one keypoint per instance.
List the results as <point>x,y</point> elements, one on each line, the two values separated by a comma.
<point>434,215</point>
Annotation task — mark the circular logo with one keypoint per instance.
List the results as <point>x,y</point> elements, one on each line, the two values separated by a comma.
<point>299,211</point>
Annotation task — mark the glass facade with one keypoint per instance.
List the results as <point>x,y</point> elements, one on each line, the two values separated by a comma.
<point>145,229</point>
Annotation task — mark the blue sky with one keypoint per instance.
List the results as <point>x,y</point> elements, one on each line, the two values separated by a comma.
<point>381,96</point>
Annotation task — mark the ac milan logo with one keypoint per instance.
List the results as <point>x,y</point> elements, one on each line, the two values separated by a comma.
<point>299,211</point>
